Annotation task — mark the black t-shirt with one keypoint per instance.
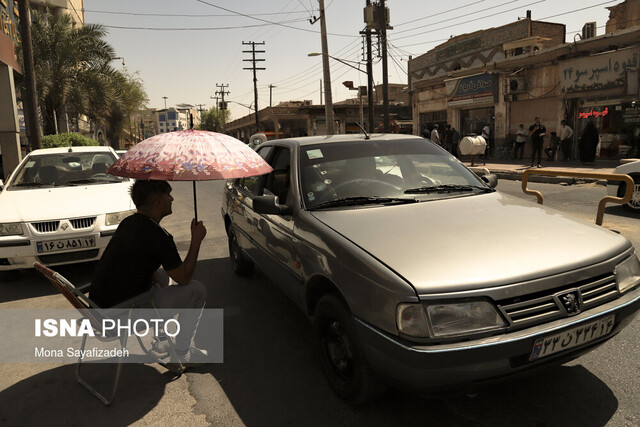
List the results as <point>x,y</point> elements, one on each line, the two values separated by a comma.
<point>136,250</point>
<point>535,136</point>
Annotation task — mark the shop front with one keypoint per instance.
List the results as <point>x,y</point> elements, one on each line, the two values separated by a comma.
<point>604,90</point>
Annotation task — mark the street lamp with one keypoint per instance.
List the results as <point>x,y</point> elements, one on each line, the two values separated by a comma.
<point>119,57</point>
<point>166,115</point>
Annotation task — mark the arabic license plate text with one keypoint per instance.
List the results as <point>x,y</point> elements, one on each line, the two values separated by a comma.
<point>565,340</point>
<point>66,244</point>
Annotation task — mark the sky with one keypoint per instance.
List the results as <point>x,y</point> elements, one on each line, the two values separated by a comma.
<point>184,49</point>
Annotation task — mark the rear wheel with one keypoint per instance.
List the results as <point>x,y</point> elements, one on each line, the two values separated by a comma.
<point>343,360</point>
<point>242,265</point>
<point>633,204</point>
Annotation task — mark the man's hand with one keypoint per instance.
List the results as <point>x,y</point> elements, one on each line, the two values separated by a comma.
<point>198,230</point>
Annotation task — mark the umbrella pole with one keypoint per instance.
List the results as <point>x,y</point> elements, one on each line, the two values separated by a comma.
<point>195,201</point>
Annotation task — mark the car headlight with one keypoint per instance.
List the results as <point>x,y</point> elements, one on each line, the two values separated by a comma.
<point>116,218</point>
<point>469,317</point>
<point>627,273</point>
<point>412,320</point>
<point>11,229</point>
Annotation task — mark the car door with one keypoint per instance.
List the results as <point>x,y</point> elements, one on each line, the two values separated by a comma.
<point>274,235</point>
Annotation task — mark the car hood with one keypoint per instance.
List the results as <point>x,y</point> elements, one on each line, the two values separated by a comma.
<point>474,242</point>
<point>64,202</point>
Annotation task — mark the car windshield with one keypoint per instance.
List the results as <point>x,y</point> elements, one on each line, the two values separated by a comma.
<point>389,172</point>
<point>64,169</point>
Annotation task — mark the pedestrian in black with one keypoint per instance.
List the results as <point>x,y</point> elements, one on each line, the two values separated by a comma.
<point>455,140</point>
<point>554,143</point>
<point>426,133</point>
<point>588,143</point>
<point>537,131</point>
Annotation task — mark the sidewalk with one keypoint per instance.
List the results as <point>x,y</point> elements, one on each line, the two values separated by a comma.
<point>513,169</point>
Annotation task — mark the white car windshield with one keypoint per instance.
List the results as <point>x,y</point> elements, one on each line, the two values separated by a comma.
<point>64,169</point>
<point>397,169</point>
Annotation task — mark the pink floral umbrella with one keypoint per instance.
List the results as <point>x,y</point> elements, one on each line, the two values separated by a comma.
<point>190,155</point>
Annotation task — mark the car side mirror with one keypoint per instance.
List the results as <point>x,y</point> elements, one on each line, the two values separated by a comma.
<point>491,179</point>
<point>269,205</point>
<point>1,185</point>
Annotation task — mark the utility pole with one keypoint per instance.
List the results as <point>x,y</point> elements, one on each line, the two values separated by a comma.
<point>385,72</point>
<point>222,92</point>
<point>328,100</point>
<point>271,87</point>
<point>253,61</point>
<point>369,74</point>
<point>31,99</point>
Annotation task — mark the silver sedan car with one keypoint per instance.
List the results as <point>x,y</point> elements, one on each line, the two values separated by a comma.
<point>416,272</point>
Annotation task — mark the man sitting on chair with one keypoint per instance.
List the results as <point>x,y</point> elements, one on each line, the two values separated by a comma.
<point>131,262</point>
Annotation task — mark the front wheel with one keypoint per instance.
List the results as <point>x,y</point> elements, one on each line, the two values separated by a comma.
<point>343,360</point>
<point>634,204</point>
<point>242,265</point>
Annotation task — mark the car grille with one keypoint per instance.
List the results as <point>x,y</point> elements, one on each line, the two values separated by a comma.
<point>531,310</point>
<point>68,257</point>
<point>46,226</point>
<point>79,223</point>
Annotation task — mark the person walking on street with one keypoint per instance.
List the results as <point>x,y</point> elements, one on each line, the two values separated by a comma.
<point>455,140</point>
<point>566,140</point>
<point>435,136</point>
<point>486,134</point>
<point>521,139</point>
<point>537,131</point>
<point>425,131</point>
<point>446,138</point>
<point>588,143</point>
<point>131,263</point>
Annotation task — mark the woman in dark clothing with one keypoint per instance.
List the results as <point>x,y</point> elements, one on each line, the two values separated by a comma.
<point>588,143</point>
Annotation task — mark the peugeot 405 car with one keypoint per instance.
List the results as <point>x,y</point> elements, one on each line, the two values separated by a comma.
<point>618,188</point>
<point>416,272</point>
<point>59,206</point>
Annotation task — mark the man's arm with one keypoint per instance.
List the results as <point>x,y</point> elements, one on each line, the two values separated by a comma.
<point>182,274</point>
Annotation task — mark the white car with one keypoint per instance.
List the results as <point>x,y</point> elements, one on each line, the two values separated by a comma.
<point>617,188</point>
<point>59,206</point>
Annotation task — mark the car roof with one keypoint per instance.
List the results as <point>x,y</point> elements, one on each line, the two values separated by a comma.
<point>60,150</point>
<point>330,139</point>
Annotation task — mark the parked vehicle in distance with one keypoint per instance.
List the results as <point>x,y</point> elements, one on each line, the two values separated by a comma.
<point>617,188</point>
<point>60,206</point>
<point>416,272</point>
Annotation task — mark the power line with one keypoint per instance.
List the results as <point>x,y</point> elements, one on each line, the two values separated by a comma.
<point>174,15</point>
<point>195,28</point>
<point>438,14</point>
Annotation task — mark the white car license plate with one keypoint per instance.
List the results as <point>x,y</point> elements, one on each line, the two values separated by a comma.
<point>66,244</point>
<point>565,340</point>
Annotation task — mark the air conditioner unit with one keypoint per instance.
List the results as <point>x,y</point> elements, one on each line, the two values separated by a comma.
<point>516,85</point>
<point>589,30</point>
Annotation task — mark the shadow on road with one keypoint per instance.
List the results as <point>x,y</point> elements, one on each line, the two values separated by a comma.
<point>53,397</point>
<point>271,374</point>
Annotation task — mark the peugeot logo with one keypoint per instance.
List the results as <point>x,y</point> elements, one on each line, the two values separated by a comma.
<point>64,226</point>
<point>570,302</point>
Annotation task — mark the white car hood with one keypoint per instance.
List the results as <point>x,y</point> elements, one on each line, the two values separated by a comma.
<point>64,202</point>
<point>474,242</point>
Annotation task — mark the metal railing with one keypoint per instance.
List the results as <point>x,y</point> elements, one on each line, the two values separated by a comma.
<point>608,176</point>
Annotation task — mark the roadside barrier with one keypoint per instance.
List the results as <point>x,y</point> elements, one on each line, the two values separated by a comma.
<point>559,172</point>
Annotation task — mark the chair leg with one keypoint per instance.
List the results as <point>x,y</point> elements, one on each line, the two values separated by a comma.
<point>116,380</point>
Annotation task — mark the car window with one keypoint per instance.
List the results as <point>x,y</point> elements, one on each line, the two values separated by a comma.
<point>251,184</point>
<point>378,169</point>
<point>64,169</point>
<point>278,181</point>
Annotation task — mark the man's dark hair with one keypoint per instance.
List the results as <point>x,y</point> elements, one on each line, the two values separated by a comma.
<point>144,192</point>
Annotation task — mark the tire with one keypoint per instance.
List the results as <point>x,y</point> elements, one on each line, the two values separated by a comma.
<point>242,266</point>
<point>343,360</point>
<point>634,204</point>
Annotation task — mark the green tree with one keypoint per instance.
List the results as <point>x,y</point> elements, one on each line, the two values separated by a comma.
<point>130,97</point>
<point>212,119</point>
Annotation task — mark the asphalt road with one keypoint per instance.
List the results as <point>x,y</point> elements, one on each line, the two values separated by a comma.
<point>271,375</point>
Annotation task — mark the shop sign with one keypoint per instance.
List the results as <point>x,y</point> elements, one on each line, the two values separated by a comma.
<point>9,32</point>
<point>458,48</point>
<point>593,113</point>
<point>606,71</point>
<point>474,89</point>
<point>631,115</point>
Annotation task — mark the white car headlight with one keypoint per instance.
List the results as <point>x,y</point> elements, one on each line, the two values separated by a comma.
<point>627,273</point>
<point>454,319</point>
<point>11,229</point>
<point>116,218</point>
<point>411,320</point>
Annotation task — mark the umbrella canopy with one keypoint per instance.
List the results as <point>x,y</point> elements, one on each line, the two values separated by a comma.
<point>190,155</point>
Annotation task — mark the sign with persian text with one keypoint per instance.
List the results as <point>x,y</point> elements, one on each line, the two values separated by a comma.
<point>472,89</point>
<point>598,72</point>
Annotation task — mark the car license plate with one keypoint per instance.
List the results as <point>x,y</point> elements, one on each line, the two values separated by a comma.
<point>565,340</point>
<point>66,244</point>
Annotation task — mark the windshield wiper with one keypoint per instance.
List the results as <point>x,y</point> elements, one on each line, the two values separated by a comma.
<point>29,184</point>
<point>448,188</point>
<point>92,180</point>
<point>363,200</point>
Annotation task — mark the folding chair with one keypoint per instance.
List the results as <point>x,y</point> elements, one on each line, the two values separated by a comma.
<point>89,310</point>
